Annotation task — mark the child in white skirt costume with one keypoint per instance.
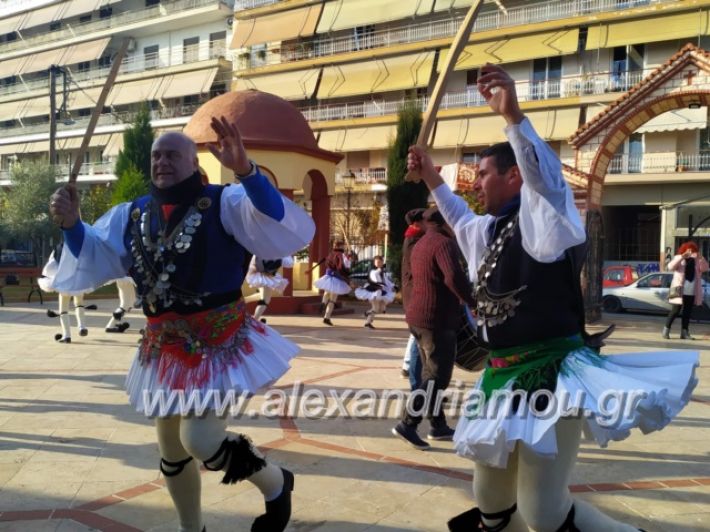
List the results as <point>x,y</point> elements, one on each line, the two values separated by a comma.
<point>126,299</point>
<point>264,275</point>
<point>523,259</point>
<point>379,291</point>
<point>46,283</point>
<point>335,282</point>
<point>199,342</point>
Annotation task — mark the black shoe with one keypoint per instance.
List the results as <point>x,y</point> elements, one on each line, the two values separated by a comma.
<point>52,314</point>
<point>91,307</point>
<point>404,374</point>
<point>118,313</point>
<point>263,320</point>
<point>278,511</point>
<point>444,433</point>
<point>58,338</point>
<point>369,325</point>
<point>465,522</point>
<point>327,321</point>
<point>409,434</point>
<point>83,332</point>
<point>120,328</point>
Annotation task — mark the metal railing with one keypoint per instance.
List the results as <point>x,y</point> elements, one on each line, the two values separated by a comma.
<point>325,45</point>
<point>364,176</point>
<point>106,119</point>
<point>136,63</point>
<point>116,21</point>
<point>102,168</point>
<point>659,163</point>
<point>569,86</point>
<point>241,5</point>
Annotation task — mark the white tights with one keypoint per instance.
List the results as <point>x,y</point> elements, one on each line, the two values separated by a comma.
<point>182,437</point>
<point>539,486</point>
<point>64,300</point>
<point>329,299</point>
<point>265,292</point>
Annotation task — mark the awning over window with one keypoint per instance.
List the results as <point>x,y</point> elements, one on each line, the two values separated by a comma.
<point>42,16</point>
<point>381,75</point>
<point>358,138</point>
<point>135,91</point>
<point>522,48</point>
<point>35,107</point>
<point>342,14</point>
<point>289,85</point>
<point>12,67</point>
<point>280,26</point>
<point>444,5</point>
<point>652,29</point>
<point>555,124</point>
<point>677,120</point>
<point>9,149</point>
<point>10,24</point>
<point>10,110</point>
<point>84,98</point>
<point>80,7</point>
<point>183,84</point>
<point>114,145</point>
<point>87,51</point>
<point>41,146</point>
<point>43,60</point>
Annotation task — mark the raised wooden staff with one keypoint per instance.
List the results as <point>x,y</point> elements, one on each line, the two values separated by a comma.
<point>433,107</point>
<point>118,58</point>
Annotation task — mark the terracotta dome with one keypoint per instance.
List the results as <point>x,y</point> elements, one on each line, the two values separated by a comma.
<point>264,120</point>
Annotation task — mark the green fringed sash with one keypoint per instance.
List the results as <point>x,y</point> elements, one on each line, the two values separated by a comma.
<point>532,367</point>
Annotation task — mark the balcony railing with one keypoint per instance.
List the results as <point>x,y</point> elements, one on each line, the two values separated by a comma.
<point>87,169</point>
<point>364,176</point>
<point>241,5</point>
<point>323,45</point>
<point>660,163</point>
<point>586,85</point>
<point>116,21</point>
<point>106,119</point>
<point>131,65</point>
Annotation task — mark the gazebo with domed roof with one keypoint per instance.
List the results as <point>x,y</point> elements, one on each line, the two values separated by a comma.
<point>279,139</point>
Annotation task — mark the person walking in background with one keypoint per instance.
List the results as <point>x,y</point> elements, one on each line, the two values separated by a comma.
<point>411,365</point>
<point>439,287</point>
<point>686,287</point>
<point>379,291</point>
<point>335,282</point>
<point>264,275</point>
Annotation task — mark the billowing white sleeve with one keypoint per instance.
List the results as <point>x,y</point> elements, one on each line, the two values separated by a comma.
<point>549,220</point>
<point>287,262</point>
<point>261,234</point>
<point>469,227</point>
<point>103,256</point>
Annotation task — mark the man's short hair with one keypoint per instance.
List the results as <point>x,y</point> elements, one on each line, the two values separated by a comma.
<point>503,156</point>
<point>415,215</point>
<point>433,216</point>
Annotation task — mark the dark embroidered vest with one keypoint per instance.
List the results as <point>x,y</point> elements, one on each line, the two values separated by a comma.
<point>521,300</point>
<point>196,266</point>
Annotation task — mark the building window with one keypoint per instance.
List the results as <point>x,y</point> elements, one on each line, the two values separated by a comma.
<point>629,157</point>
<point>190,49</point>
<point>363,37</point>
<point>582,39</point>
<point>149,3</point>
<point>105,12</point>
<point>84,18</point>
<point>218,44</point>
<point>54,26</point>
<point>105,61</point>
<point>150,56</point>
<point>218,89</point>
<point>84,112</point>
<point>547,75</point>
<point>471,78</point>
<point>627,66</point>
<point>84,66</point>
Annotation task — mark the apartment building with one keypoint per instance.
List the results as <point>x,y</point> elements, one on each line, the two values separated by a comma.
<point>177,58</point>
<point>350,64</point>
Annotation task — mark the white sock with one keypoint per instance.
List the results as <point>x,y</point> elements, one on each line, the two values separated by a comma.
<point>329,309</point>
<point>259,312</point>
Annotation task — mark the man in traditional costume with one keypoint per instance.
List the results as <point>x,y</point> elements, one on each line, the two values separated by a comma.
<point>525,256</point>
<point>335,282</point>
<point>264,275</point>
<point>379,291</point>
<point>184,245</point>
<point>126,300</point>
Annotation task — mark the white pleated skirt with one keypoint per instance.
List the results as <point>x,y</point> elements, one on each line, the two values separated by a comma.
<point>365,295</point>
<point>614,393</point>
<point>330,283</point>
<point>262,280</point>
<point>260,360</point>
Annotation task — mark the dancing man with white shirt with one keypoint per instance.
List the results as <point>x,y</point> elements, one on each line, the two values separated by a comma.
<point>525,257</point>
<point>184,245</point>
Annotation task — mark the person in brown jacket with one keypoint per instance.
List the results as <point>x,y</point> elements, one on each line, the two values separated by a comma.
<point>411,365</point>
<point>439,287</point>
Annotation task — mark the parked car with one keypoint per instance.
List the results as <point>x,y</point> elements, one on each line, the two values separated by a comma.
<point>649,294</point>
<point>619,276</point>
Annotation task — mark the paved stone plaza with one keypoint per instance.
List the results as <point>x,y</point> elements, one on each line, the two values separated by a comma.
<point>75,457</point>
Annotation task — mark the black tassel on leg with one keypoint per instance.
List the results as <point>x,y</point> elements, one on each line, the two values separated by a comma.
<point>239,459</point>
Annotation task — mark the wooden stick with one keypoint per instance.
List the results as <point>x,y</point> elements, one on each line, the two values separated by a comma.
<point>457,47</point>
<point>97,111</point>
